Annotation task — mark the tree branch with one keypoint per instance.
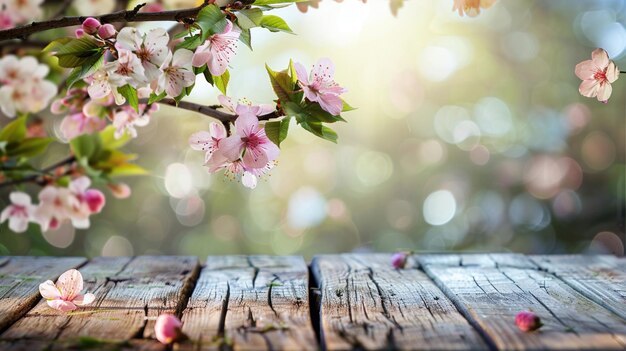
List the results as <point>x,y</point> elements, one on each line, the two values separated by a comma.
<point>211,111</point>
<point>36,177</point>
<point>124,16</point>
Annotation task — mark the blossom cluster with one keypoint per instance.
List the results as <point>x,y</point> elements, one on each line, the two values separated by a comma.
<point>24,88</point>
<point>56,205</point>
<point>246,154</point>
<point>85,115</point>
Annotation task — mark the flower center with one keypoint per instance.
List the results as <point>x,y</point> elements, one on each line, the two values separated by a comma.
<point>251,141</point>
<point>600,76</point>
<point>144,54</point>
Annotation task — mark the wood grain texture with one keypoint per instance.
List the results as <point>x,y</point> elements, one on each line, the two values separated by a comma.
<point>250,303</point>
<point>128,292</point>
<point>366,304</point>
<point>19,282</point>
<point>600,278</point>
<point>494,288</point>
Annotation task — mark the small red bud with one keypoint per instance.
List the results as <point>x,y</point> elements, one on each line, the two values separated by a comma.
<point>527,321</point>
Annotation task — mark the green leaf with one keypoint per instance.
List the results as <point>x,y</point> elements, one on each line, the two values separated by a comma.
<point>130,94</point>
<point>57,44</point>
<point>281,83</point>
<point>221,82</point>
<point>78,51</point>
<point>29,147</point>
<point>155,98</point>
<point>346,107</point>
<point>211,20</point>
<point>89,67</point>
<point>277,131</point>
<point>85,146</point>
<point>127,169</point>
<point>314,111</point>
<point>320,130</point>
<point>245,38</point>
<point>249,18</point>
<point>14,131</point>
<point>107,137</point>
<point>190,43</point>
<point>275,24</point>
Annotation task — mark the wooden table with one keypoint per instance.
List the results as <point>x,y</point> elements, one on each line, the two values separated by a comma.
<point>349,301</point>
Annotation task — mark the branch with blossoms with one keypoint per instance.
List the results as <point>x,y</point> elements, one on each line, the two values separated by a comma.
<point>117,79</point>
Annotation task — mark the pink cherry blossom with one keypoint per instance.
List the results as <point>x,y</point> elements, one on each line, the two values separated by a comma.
<point>78,124</point>
<point>320,86</point>
<point>102,85</point>
<point>66,295</point>
<point>208,141</point>
<point>250,139</point>
<point>398,260</point>
<point>127,69</point>
<point>53,207</point>
<point>167,329</point>
<point>127,119</point>
<point>151,48</point>
<point>597,75</point>
<point>218,50</point>
<point>237,170</point>
<point>528,321</point>
<point>177,73</point>
<point>244,106</point>
<point>19,213</point>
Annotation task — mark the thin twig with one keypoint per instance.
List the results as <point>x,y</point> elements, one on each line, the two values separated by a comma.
<point>35,178</point>
<point>211,111</point>
<point>116,17</point>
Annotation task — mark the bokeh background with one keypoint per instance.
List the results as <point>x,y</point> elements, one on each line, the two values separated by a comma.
<point>470,135</point>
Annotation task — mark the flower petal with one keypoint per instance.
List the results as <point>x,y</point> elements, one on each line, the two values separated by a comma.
<point>301,73</point>
<point>49,291</point>
<point>604,92</point>
<point>612,72</point>
<point>70,284</point>
<point>600,58</point>
<point>585,69</point>
<point>231,147</point>
<point>82,300</point>
<point>200,140</point>
<point>61,305</point>
<point>589,88</point>
<point>20,198</point>
<point>249,180</point>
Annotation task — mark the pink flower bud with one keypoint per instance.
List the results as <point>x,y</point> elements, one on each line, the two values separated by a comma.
<point>167,329</point>
<point>119,190</point>
<point>95,200</point>
<point>91,25</point>
<point>79,32</point>
<point>398,260</point>
<point>528,321</point>
<point>58,107</point>
<point>107,31</point>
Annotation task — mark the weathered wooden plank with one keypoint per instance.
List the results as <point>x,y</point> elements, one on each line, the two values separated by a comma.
<point>491,294</point>
<point>128,291</point>
<point>250,303</point>
<point>600,278</point>
<point>19,282</point>
<point>367,304</point>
